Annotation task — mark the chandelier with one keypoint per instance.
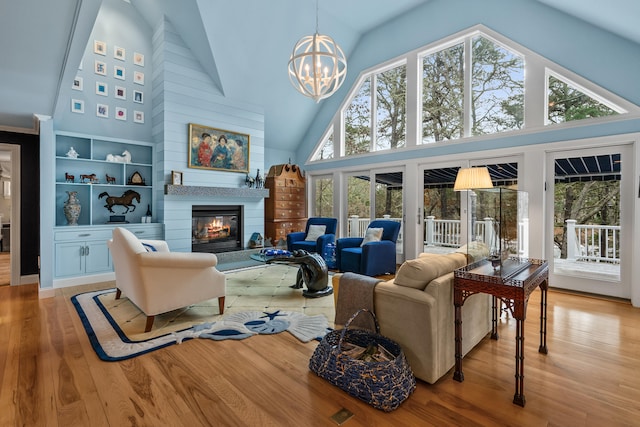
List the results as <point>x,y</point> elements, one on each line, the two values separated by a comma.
<point>317,67</point>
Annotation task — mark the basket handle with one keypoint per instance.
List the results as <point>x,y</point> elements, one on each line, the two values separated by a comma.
<point>351,319</point>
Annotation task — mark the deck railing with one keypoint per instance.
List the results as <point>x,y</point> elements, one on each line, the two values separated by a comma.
<point>357,227</point>
<point>597,243</point>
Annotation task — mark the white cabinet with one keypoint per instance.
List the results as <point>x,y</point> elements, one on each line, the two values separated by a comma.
<point>84,251</point>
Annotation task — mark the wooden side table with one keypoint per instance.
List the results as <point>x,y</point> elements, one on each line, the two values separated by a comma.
<point>511,283</point>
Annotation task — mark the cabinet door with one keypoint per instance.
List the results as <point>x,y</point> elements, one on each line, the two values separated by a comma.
<point>97,258</point>
<point>69,259</point>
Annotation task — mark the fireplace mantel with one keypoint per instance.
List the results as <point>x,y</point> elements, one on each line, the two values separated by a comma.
<point>202,191</point>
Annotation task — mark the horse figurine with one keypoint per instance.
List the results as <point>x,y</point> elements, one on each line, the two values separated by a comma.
<point>92,178</point>
<point>125,200</point>
<point>259,180</point>
<point>69,178</point>
<point>111,179</point>
<point>249,181</point>
<point>125,158</point>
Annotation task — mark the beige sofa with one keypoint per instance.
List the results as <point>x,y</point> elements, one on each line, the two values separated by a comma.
<point>157,280</point>
<point>416,310</point>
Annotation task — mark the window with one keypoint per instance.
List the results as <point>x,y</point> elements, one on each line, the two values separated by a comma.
<point>468,85</point>
<point>567,103</point>
<point>323,203</point>
<point>326,149</point>
<point>497,99</point>
<point>442,93</point>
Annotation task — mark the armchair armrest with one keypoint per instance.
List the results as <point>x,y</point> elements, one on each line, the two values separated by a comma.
<point>296,236</point>
<point>322,242</point>
<point>348,242</point>
<point>158,245</point>
<point>177,259</point>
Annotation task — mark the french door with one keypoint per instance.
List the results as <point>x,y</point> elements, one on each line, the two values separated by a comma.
<point>586,244</point>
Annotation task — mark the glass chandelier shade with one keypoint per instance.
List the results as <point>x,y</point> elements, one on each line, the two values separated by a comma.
<point>472,178</point>
<point>317,67</point>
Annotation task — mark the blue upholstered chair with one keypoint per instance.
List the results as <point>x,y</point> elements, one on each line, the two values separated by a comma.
<point>372,258</point>
<point>312,242</point>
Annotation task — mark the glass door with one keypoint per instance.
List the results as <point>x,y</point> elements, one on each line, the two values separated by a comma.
<point>443,231</point>
<point>586,244</point>
<point>388,196</point>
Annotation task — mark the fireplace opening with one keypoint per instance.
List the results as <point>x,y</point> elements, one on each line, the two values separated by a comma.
<point>216,228</point>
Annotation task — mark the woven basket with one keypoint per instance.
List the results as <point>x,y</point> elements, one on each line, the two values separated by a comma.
<point>383,385</point>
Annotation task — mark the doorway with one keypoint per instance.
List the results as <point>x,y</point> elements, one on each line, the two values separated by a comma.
<point>587,246</point>
<point>9,208</point>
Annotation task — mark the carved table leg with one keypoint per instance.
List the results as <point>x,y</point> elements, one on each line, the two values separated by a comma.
<point>543,319</point>
<point>495,308</point>
<point>457,373</point>
<point>518,397</point>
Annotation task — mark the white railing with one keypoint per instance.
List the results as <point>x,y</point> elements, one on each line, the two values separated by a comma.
<point>599,243</point>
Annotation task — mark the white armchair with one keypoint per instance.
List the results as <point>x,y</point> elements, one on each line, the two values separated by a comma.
<point>157,280</point>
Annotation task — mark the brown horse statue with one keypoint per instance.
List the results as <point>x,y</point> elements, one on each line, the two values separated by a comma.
<point>91,177</point>
<point>111,179</point>
<point>125,200</point>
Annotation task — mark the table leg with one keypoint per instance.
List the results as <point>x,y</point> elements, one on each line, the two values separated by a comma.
<point>495,308</point>
<point>543,320</point>
<point>457,373</point>
<point>518,397</point>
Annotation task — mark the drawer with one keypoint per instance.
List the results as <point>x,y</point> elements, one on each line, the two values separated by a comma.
<point>289,204</point>
<point>297,196</point>
<point>147,232</point>
<point>65,236</point>
<point>289,213</point>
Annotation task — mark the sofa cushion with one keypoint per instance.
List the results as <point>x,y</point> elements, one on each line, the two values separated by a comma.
<point>372,235</point>
<point>315,231</point>
<point>417,273</point>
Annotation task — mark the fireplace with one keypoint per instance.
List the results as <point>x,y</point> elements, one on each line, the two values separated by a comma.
<point>216,228</point>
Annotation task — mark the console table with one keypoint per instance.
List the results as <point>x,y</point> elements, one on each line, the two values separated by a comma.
<point>511,283</point>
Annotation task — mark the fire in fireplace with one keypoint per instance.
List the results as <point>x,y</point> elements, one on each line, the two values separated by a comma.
<point>216,228</point>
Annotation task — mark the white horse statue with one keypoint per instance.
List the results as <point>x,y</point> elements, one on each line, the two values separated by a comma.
<point>125,158</point>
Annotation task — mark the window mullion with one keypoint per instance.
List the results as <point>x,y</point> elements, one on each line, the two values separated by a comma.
<point>374,115</point>
<point>468,92</point>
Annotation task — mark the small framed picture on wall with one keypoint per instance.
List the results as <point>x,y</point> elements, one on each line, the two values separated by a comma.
<point>99,47</point>
<point>176,178</point>
<point>118,72</point>
<point>102,88</point>
<point>121,113</point>
<point>138,77</point>
<point>119,53</point>
<point>78,83</point>
<point>138,59</point>
<point>100,68</point>
<point>138,116</point>
<point>138,97</point>
<point>102,110</point>
<point>121,93</point>
<point>77,106</point>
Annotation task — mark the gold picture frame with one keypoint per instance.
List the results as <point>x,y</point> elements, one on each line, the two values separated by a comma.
<point>218,149</point>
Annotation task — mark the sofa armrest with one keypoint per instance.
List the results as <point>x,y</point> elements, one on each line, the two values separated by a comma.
<point>177,259</point>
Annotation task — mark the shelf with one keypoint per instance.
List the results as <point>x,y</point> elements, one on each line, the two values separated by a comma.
<point>201,191</point>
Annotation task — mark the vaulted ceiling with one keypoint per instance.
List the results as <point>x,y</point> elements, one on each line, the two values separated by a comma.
<point>244,45</point>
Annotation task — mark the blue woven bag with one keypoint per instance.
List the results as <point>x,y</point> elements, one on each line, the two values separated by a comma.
<point>382,384</point>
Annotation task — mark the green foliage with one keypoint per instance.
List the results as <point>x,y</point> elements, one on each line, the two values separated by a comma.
<point>567,103</point>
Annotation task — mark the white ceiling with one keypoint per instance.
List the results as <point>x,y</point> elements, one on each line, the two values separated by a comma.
<point>246,53</point>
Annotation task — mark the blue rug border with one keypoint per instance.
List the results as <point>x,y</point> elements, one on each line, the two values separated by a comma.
<point>93,339</point>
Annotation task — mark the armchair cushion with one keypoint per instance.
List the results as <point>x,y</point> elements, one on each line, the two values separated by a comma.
<point>314,232</point>
<point>372,235</point>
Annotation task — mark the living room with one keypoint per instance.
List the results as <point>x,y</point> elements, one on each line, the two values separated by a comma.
<point>183,86</point>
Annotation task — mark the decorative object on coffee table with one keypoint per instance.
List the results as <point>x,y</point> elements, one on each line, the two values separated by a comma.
<point>313,273</point>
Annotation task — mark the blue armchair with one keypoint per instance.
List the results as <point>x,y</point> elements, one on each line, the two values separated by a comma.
<point>372,258</point>
<point>298,240</point>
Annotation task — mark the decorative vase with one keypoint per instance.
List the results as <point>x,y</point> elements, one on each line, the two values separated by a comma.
<point>72,208</point>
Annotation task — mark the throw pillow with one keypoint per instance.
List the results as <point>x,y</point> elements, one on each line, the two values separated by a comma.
<point>416,273</point>
<point>314,232</point>
<point>372,235</point>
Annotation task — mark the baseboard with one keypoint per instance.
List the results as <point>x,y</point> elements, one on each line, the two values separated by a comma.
<point>84,280</point>
<point>29,279</point>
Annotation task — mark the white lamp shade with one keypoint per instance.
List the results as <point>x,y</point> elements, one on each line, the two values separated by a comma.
<point>472,178</point>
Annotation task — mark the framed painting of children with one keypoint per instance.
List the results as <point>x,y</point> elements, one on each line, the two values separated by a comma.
<point>218,149</point>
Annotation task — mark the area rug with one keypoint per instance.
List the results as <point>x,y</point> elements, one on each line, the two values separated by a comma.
<point>99,310</point>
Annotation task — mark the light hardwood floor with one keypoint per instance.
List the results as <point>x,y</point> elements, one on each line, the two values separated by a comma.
<point>50,376</point>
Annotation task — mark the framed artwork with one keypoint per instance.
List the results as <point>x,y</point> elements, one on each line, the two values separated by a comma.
<point>78,83</point>
<point>99,47</point>
<point>100,68</point>
<point>138,97</point>
<point>121,113</point>
<point>102,110</point>
<point>176,178</point>
<point>121,93</point>
<point>218,149</point>
<point>138,116</point>
<point>119,53</point>
<point>102,88</point>
<point>118,72</point>
<point>138,59</point>
<point>77,106</point>
<point>138,77</point>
